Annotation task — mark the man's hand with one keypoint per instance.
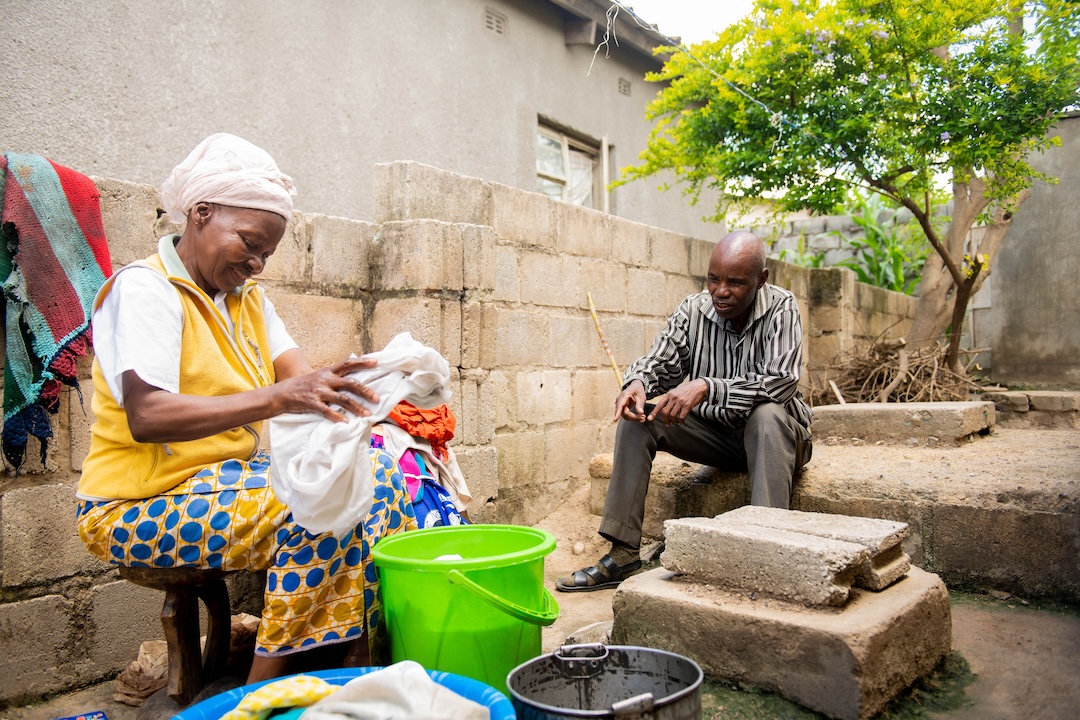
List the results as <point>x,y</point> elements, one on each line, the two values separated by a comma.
<point>630,405</point>
<point>673,407</point>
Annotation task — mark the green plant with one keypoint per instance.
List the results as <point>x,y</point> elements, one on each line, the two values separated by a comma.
<point>890,255</point>
<point>802,255</point>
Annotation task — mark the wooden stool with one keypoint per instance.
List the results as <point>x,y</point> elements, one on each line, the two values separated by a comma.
<point>190,671</point>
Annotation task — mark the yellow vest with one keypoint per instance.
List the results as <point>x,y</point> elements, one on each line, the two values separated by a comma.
<point>213,362</point>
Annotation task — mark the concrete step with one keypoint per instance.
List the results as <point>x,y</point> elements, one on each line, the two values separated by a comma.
<point>908,423</point>
<point>1001,512</point>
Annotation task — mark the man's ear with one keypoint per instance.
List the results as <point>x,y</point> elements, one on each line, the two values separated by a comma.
<point>763,278</point>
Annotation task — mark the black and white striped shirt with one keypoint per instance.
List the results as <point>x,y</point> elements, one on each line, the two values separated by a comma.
<point>742,370</point>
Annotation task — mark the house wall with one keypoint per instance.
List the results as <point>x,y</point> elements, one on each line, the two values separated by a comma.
<point>126,88</point>
<point>1036,338</point>
<point>497,279</point>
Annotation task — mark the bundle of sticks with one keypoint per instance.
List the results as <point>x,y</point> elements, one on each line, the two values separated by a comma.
<point>886,371</point>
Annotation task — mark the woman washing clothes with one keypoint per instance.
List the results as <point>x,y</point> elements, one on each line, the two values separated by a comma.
<point>191,358</point>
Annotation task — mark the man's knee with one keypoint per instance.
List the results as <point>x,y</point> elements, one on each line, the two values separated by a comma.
<point>769,418</point>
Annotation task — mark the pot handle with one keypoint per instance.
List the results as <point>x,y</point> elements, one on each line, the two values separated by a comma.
<point>545,616</point>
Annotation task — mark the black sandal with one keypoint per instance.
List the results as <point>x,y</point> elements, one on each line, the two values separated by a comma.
<point>604,574</point>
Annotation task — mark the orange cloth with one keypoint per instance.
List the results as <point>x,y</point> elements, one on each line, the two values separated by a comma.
<point>436,425</point>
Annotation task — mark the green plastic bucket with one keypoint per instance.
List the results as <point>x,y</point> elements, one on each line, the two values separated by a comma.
<point>477,611</point>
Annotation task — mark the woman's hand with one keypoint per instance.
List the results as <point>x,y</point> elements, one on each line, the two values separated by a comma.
<point>327,391</point>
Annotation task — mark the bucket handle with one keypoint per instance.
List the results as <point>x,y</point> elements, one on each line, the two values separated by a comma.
<point>546,616</point>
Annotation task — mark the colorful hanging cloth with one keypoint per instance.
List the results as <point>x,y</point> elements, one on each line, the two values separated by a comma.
<point>53,259</point>
<point>436,425</point>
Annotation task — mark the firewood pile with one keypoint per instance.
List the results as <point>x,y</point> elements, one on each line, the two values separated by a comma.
<point>886,371</point>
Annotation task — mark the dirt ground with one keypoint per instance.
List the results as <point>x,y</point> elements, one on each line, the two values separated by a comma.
<point>1023,654</point>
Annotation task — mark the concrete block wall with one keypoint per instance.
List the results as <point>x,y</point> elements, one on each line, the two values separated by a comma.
<point>495,278</point>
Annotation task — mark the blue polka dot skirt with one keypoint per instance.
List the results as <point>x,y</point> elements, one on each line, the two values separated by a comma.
<point>319,590</point>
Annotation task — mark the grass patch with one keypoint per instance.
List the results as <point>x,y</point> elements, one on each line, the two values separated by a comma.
<point>941,690</point>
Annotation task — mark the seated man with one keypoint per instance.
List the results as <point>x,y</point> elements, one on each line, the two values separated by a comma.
<point>728,367</point>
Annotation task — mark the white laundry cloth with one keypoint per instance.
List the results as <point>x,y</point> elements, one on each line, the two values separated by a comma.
<point>402,691</point>
<point>322,469</point>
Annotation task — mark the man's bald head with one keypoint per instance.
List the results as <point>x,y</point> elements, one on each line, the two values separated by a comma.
<point>742,245</point>
<point>736,272</point>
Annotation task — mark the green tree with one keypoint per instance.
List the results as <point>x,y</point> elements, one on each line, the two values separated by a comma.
<point>805,99</point>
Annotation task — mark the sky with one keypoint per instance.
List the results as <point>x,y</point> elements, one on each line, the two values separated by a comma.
<point>693,20</point>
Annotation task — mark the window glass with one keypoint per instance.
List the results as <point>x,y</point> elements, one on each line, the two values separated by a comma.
<point>567,168</point>
<point>549,157</point>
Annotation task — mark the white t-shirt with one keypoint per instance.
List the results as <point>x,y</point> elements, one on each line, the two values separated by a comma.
<point>140,324</point>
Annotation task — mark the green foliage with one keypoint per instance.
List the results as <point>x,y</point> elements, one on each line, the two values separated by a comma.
<point>889,255</point>
<point>804,99</point>
<point>803,256</point>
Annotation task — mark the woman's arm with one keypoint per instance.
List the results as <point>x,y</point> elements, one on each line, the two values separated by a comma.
<point>156,415</point>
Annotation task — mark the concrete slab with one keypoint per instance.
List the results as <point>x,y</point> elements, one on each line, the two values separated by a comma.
<point>882,538</point>
<point>904,423</point>
<point>802,568</point>
<point>846,663</point>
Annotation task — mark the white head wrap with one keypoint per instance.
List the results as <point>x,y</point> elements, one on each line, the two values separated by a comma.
<point>227,170</point>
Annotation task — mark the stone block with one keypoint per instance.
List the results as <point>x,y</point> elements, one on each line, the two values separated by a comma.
<point>478,332</point>
<point>480,468</point>
<point>700,251</point>
<point>606,281</point>
<point>124,615</point>
<point>646,292</point>
<point>418,255</point>
<point>568,451</point>
<point>629,242</point>
<point>846,663</point>
<point>327,329</point>
<point>594,393</point>
<point>573,342</point>
<point>676,289</point>
<point>129,215</point>
<point>521,459</point>
<point>414,191</point>
<point>524,217</point>
<point>478,244</point>
<point>341,253</point>
<point>670,252</point>
<point>431,321</point>
<point>1054,400</point>
<point>37,634</point>
<point>40,542</point>
<point>476,424</point>
<point>628,338</point>
<point>802,568</point>
<point>507,275</point>
<point>910,423</point>
<point>75,418</point>
<point>291,262</point>
<point>548,279</point>
<point>521,338</point>
<point>882,538</point>
<point>543,396</point>
<point>583,231</point>
<point>503,390</point>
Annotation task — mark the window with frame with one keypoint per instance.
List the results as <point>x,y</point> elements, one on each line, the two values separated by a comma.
<point>569,168</point>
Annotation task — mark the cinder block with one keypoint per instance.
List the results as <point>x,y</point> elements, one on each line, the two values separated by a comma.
<point>700,251</point>
<point>801,568</point>
<point>594,394</point>
<point>433,322</point>
<point>844,663</point>
<point>548,279</point>
<point>628,337</point>
<point>524,217</point>
<point>521,459</point>
<point>327,329</point>
<point>647,292</point>
<point>478,244</point>
<point>478,332</point>
<point>629,242</point>
<point>480,468</point>
<point>904,422</point>
<point>79,417</point>
<point>583,231</point>
<point>40,541</point>
<point>291,262</point>
<point>507,276</point>
<point>418,255</point>
<point>676,289</point>
<point>543,396</point>
<point>413,191</point>
<point>670,252</point>
<point>124,616</point>
<point>882,538</point>
<point>37,637</point>
<point>573,342</point>
<point>1054,400</point>
<point>476,426</point>
<point>606,281</point>
<point>521,338</point>
<point>129,215</point>
<point>341,253</point>
<point>505,394</point>
<point>568,451</point>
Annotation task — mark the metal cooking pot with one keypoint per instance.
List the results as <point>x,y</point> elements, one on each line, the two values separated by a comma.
<point>598,681</point>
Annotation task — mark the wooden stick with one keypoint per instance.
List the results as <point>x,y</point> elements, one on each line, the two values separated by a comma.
<point>603,340</point>
<point>836,392</point>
